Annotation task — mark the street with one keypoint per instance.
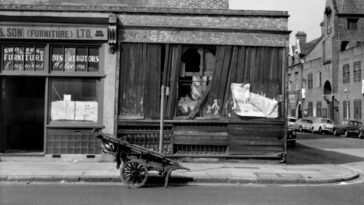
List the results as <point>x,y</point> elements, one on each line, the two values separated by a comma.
<point>328,149</point>
<point>310,149</point>
<point>89,194</point>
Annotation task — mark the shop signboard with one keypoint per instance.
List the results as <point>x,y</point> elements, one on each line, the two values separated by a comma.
<point>53,32</point>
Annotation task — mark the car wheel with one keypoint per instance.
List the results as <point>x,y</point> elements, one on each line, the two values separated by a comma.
<point>335,133</point>
<point>346,134</point>
<point>291,143</point>
<point>360,135</point>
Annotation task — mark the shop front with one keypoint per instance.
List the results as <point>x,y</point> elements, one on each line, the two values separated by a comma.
<point>52,78</point>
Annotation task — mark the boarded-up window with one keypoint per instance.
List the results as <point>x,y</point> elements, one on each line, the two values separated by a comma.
<point>145,67</point>
<point>140,72</point>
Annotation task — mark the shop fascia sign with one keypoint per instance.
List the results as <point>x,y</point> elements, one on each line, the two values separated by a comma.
<point>53,32</point>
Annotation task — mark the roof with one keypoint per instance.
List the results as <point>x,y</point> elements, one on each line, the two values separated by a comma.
<point>349,6</point>
<point>306,48</point>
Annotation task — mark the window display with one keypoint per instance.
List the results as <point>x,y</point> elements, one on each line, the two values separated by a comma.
<point>74,100</point>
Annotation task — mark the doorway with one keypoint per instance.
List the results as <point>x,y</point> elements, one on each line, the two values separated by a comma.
<point>22,114</point>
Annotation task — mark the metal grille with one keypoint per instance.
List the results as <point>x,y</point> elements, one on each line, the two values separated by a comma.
<point>146,136</point>
<point>71,141</point>
<point>200,149</point>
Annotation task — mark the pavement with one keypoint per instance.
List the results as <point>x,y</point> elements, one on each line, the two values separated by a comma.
<point>41,169</point>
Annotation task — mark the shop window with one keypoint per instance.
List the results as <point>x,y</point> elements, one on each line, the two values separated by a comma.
<point>196,73</point>
<point>74,100</point>
<point>357,71</point>
<point>22,58</point>
<point>75,59</point>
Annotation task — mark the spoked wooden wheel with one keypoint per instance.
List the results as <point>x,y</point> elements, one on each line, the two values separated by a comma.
<point>134,173</point>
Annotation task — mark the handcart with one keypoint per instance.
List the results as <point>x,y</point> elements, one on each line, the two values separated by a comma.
<point>137,161</point>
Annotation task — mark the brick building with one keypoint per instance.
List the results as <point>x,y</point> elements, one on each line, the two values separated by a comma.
<point>111,65</point>
<point>332,79</point>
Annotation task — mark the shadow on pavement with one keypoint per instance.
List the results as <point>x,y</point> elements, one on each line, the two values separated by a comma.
<point>301,154</point>
<point>158,181</point>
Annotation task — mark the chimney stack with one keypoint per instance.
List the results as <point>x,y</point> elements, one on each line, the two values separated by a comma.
<point>302,36</point>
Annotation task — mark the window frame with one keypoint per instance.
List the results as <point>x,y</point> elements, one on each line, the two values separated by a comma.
<point>99,95</point>
<point>99,76</point>
<point>357,109</point>
<point>310,80</point>
<point>310,109</point>
<point>4,72</point>
<point>352,24</point>
<point>346,73</point>
<point>346,109</point>
<point>319,109</point>
<point>357,71</point>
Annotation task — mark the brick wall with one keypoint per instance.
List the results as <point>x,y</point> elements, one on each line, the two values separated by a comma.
<point>204,37</point>
<point>215,22</point>
<point>200,4</point>
<point>253,29</point>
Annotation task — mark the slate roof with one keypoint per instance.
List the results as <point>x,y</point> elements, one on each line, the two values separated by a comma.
<point>306,48</point>
<point>349,6</point>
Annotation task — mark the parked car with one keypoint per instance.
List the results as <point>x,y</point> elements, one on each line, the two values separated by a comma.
<point>322,125</point>
<point>303,125</point>
<point>347,127</point>
<point>291,121</point>
<point>291,138</point>
<point>361,133</point>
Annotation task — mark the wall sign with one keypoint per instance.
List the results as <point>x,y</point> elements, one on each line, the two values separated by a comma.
<point>53,32</point>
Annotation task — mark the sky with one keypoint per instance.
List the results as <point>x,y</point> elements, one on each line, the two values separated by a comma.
<point>305,15</point>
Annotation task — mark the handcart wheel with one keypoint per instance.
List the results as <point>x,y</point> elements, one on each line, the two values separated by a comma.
<point>134,173</point>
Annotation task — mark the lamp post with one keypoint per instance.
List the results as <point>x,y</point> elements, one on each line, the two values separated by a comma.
<point>346,91</point>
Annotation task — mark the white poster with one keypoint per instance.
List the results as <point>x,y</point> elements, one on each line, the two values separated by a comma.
<point>251,104</point>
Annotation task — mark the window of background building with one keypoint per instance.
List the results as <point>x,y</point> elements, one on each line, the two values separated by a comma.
<point>319,79</point>
<point>310,109</point>
<point>290,82</point>
<point>346,73</point>
<point>296,81</point>
<point>310,80</point>
<point>319,109</point>
<point>357,109</point>
<point>324,112</point>
<point>346,109</point>
<point>352,23</point>
<point>357,71</point>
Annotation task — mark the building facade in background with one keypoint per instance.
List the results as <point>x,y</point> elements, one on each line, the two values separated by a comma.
<point>332,71</point>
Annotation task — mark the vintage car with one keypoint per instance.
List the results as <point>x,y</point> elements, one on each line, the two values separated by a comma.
<point>361,133</point>
<point>303,125</point>
<point>291,121</point>
<point>291,137</point>
<point>347,128</point>
<point>322,125</point>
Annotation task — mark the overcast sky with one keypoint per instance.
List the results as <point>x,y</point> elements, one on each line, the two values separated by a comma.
<point>305,15</point>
